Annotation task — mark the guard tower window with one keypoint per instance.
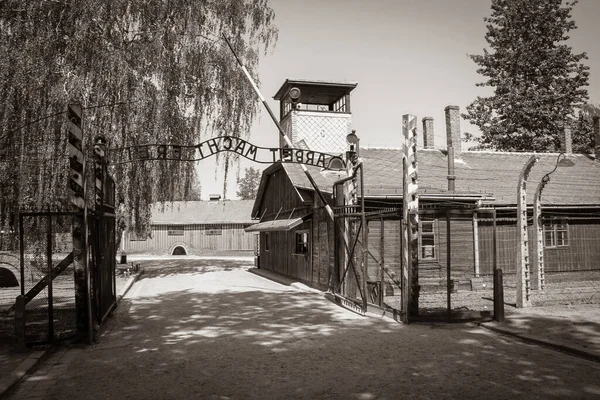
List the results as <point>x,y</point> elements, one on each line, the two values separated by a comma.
<point>287,106</point>
<point>340,105</point>
<point>319,96</point>
<point>314,107</point>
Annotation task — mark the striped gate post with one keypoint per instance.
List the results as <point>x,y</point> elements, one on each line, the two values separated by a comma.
<point>410,220</point>
<point>78,184</point>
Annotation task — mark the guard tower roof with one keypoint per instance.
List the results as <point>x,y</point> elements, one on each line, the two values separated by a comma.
<point>316,92</point>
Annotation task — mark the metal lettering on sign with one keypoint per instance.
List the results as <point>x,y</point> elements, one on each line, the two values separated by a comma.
<point>264,155</point>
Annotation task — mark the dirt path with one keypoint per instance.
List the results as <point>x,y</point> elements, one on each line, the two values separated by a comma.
<point>209,331</point>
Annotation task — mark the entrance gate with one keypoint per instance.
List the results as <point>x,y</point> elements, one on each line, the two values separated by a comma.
<point>104,255</point>
<point>67,258</point>
<point>45,310</point>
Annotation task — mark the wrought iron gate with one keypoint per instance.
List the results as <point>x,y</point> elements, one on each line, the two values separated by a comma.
<point>103,264</point>
<point>47,277</point>
<point>47,280</point>
<point>103,257</point>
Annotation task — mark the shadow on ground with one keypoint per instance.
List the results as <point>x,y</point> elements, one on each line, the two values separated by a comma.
<point>224,333</point>
<point>169,267</point>
<point>216,331</point>
<point>573,326</point>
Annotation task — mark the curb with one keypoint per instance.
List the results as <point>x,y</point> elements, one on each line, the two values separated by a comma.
<point>9,382</point>
<point>542,342</point>
<point>128,285</point>
<point>284,281</point>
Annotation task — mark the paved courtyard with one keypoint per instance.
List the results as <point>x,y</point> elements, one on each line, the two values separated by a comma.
<point>212,330</point>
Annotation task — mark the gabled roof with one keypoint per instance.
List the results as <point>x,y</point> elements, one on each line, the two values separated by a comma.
<point>478,173</point>
<point>316,92</point>
<point>489,173</point>
<point>202,212</point>
<point>323,179</point>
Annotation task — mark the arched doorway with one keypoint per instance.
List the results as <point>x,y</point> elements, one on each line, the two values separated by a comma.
<point>179,251</point>
<point>7,278</point>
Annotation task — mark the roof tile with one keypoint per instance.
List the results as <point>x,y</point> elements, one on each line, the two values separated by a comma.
<point>492,173</point>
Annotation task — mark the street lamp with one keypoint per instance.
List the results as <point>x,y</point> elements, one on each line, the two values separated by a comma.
<point>353,149</point>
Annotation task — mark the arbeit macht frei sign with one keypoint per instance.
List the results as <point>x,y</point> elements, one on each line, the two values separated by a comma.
<point>264,155</point>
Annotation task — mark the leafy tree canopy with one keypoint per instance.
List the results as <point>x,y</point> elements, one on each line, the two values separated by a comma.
<point>583,139</point>
<point>151,71</point>
<point>248,184</point>
<point>538,81</point>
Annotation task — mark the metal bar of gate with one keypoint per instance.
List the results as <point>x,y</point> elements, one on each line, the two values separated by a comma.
<point>448,266</point>
<point>351,261</point>
<point>22,254</point>
<point>494,240</point>
<point>365,240</point>
<point>382,266</point>
<point>49,277</point>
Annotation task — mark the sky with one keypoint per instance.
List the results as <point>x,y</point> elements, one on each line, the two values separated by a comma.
<point>407,56</point>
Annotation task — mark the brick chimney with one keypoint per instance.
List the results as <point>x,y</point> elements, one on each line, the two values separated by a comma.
<point>428,142</point>
<point>453,128</point>
<point>566,143</point>
<point>453,142</point>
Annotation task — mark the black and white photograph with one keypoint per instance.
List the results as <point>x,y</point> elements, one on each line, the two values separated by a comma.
<point>277,199</point>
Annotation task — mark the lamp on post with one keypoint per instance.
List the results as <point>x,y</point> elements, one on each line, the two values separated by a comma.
<point>295,97</point>
<point>353,145</point>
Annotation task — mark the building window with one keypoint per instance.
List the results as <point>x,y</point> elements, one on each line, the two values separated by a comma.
<point>175,230</point>
<point>302,242</point>
<point>427,240</point>
<point>556,233</point>
<point>213,230</point>
<point>267,241</point>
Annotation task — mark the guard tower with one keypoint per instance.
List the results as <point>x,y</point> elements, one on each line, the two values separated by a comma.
<point>318,117</point>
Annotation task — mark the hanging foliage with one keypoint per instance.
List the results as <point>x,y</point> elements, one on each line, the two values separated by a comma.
<point>151,71</point>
